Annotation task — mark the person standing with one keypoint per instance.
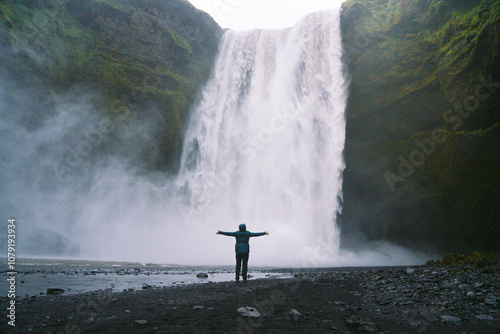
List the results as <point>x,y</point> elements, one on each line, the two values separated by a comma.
<point>242,248</point>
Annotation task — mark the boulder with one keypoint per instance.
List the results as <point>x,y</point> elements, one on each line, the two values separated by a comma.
<point>249,311</point>
<point>294,314</point>
<point>451,319</point>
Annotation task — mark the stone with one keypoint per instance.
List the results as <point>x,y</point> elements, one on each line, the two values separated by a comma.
<point>55,291</point>
<point>371,329</point>
<point>450,318</point>
<point>202,275</point>
<point>410,270</point>
<point>484,317</point>
<point>249,311</point>
<point>141,322</point>
<point>490,301</point>
<point>294,314</point>
<point>197,307</point>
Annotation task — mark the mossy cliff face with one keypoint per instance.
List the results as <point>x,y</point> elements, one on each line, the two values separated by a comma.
<point>145,60</point>
<point>423,135</point>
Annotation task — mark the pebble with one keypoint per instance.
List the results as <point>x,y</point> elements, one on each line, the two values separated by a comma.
<point>484,317</point>
<point>294,314</point>
<point>141,322</point>
<point>371,329</point>
<point>249,311</point>
<point>490,300</point>
<point>450,318</point>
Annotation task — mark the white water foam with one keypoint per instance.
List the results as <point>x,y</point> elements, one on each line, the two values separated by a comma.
<point>265,143</point>
<point>264,147</point>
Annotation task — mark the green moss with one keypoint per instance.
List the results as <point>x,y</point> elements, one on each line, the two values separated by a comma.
<point>117,7</point>
<point>465,182</point>
<point>58,52</point>
<point>419,59</point>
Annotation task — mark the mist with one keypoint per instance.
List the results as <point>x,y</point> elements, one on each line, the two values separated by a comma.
<point>79,189</point>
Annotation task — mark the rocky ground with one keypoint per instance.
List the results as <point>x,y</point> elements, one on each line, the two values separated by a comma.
<point>436,298</point>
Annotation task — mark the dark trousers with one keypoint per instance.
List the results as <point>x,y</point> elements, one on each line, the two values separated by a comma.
<point>241,258</point>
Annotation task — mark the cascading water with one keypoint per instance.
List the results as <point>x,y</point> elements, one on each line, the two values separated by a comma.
<point>264,145</point>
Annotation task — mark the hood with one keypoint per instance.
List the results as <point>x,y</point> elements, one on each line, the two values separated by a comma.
<point>243,227</point>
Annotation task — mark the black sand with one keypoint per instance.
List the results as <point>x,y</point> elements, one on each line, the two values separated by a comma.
<point>436,299</point>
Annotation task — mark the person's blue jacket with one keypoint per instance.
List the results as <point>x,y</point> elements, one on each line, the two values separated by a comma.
<point>242,236</point>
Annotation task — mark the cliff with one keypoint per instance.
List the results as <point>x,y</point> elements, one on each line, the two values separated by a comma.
<point>142,61</point>
<point>422,147</point>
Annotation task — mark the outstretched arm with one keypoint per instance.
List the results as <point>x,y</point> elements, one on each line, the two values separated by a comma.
<point>229,234</point>
<point>258,234</point>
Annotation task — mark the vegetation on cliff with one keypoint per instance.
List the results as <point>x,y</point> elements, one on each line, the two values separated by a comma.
<point>422,148</point>
<point>145,59</point>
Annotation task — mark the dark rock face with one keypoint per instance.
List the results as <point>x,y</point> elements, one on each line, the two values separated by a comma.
<point>146,61</point>
<point>160,33</point>
<point>422,124</point>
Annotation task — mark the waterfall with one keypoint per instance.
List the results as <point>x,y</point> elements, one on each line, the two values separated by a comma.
<point>264,145</point>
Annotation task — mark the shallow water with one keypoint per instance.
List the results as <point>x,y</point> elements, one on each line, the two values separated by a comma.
<point>35,276</point>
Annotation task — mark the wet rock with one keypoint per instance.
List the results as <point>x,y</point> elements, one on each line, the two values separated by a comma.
<point>451,319</point>
<point>371,329</point>
<point>202,275</point>
<point>491,301</point>
<point>249,311</point>
<point>55,291</point>
<point>484,317</point>
<point>294,314</point>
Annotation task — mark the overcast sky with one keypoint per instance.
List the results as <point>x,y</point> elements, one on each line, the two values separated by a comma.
<point>250,14</point>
